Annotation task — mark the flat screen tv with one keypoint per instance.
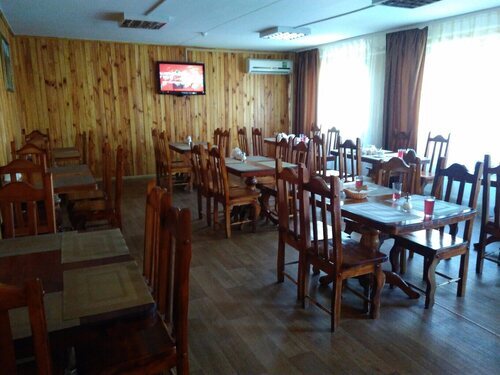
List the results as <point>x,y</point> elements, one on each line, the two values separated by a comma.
<point>181,78</point>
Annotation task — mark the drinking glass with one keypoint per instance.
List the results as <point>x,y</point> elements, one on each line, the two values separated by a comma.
<point>358,182</point>
<point>396,190</point>
<point>401,153</point>
<point>429,206</point>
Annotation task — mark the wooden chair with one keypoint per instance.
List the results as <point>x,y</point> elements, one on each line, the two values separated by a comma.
<point>170,168</point>
<point>283,150</point>
<point>22,170</point>
<point>230,197</point>
<point>411,158</point>
<point>396,169</point>
<point>315,130</point>
<point>40,140</point>
<point>31,152</point>
<point>106,184</point>
<point>12,297</point>
<point>490,225</point>
<point>349,159</point>
<point>223,141</point>
<point>400,139</point>
<point>257,142</point>
<point>332,139</point>
<point>152,235</point>
<point>436,245</point>
<point>199,160</point>
<point>319,155</point>
<point>157,343</point>
<point>435,148</point>
<point>243,140</point>
<point>107,208</point>
<point>301,153</point>
<point>27,210</point>
<point>326,250</point>
<point>289,229</point>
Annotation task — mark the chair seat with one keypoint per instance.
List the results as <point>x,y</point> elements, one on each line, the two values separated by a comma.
<point>433,242</point>
<point>89,205</point>
<point>88,194</point>
<point>354,254</point>
<point>131,346</point>
<point>242,192</point>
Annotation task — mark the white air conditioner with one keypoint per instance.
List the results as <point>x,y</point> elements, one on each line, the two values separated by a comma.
<point>261,66</point>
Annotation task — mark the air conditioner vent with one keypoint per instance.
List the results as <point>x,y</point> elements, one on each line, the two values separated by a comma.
<point>141,23</point>
<point>404,3</point>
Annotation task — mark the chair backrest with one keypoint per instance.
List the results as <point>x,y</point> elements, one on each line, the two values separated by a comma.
<point>319,155</point>
<point>332,139</point>
<point>27,210</point>
<point>435,148</point>
<point>32,152</point>
<point>91,152</point>
<point>315,130</point>
<point>396,169</point>
<point>174,263</point>
<point>12,297</point>
<point>37,138</point>
<point>284,149</point>
<point>152,235</point>
<point>411,158</point>
<point>301,153</point>
<point>223,141</point>
<point>199,161</point>
<point>289,201</point>
<point>218,173</point>
<point>243,140</point>
<point>164,173</point>
<point>349,159</point>
<point>489,171</point>
<point>457,174</point>
<point>119,171</point>
<point>156,148</point>
<point>400,139</point>
<point>321,219</point>
<point>22,170</point>
<point>257,142</point>
<point>81,146</point>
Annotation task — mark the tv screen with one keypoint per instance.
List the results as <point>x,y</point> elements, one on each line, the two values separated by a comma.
<point>179,78</point>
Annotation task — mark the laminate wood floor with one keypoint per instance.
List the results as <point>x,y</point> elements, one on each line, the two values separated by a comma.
<point>242,322</point>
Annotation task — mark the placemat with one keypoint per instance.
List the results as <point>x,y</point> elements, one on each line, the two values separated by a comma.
<point>96,290</point>
<point>245,167</point>
<point>272,164</point>
<point>20,322</point>
<point>77,247</point>
<point>380,212</point>
<point>260,159</point>
<point>30,244</point>
<point>441,208</point>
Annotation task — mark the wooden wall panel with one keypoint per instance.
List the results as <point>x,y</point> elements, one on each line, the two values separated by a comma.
<point>9,115</point>
<point>71,86</point>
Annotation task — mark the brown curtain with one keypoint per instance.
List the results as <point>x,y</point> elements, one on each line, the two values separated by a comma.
<point>404,67</point>
<point>306,91</point>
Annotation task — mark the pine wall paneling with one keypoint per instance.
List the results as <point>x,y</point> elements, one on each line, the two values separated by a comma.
<point>71,86</point>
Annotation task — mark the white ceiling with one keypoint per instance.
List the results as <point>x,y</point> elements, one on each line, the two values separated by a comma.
<point>230,24</point>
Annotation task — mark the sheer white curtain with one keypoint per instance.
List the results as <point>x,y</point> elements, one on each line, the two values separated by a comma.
<point>461,86</point>
<point>351,88</point>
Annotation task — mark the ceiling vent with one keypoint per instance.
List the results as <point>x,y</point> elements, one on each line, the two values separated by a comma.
<point>404,3</point>
<point>141,22</point>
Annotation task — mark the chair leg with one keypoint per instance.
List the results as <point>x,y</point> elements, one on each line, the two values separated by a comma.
<point>336,303</point>
<point>430,289</point>
<point>216,214</point>
<point>304,281</point>
<point>379,282</point>
<point>402,262</point>
<point>227,214</point>
<point>209,211</point>
<point>256,213</point>
<point>183,365</point>
<point>280,261</point>
<point>200,215</point>
<point>464,267</point>
<point>480,254</point>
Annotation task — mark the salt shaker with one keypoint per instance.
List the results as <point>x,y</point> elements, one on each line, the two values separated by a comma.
<point>407,203</point>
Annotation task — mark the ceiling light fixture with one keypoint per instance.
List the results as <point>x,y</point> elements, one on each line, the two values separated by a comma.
<point>284,33</point>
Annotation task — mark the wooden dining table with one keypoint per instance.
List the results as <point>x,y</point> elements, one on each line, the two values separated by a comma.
<point>89,278</point>
<point>72,177</point>
<point>65,154</point>
<point>378,213</point>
